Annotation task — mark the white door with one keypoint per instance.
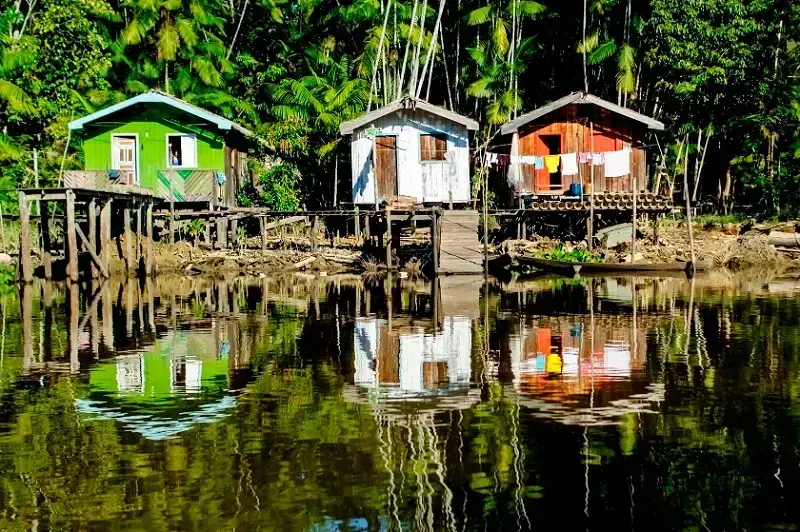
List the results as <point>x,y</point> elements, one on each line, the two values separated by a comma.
<point>123,150</point>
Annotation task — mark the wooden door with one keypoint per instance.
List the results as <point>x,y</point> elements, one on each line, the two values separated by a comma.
<point>124,158</point>
<point>386,166</point>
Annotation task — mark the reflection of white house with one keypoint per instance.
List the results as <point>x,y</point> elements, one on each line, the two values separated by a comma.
<point>425,361</point>
<point>130,373</point>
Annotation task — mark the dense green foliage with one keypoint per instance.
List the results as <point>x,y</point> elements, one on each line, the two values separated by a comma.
<point>724,75</point>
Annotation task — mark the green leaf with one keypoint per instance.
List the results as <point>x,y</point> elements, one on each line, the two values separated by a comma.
<point>480,15</point>
<point>602,52</point>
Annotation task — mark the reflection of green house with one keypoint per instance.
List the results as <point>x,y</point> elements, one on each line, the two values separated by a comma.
<point>180,382</point>
<point>156,141</point>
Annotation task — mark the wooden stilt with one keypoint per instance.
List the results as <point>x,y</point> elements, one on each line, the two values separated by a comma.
<point>105,235</point>
<point>148,264</point>
<point>388,238</point>
<point>234,232</point>
<point>26,268</point>
<point>91,230</point>
<point>126,220</point>
<point>435,241</point>
<point>138,233</point>
<point>262,223</point>
<point>71,239</point>
<point>94,322</point>
<point>357,226</point>
<point>47,258</point>
<point>314,231</point>
<point>108,317</point>
<point>222,233</point>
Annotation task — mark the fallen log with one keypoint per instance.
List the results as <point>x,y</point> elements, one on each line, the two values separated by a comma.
<point>786,240</point>
<point>303,263</point>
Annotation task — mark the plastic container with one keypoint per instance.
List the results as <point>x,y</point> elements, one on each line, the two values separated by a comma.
<point>575,189</point>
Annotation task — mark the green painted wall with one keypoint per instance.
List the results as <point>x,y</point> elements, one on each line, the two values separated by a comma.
<point>152,125</point>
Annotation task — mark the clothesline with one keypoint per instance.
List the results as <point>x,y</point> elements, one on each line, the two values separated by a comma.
<point>616,163</point>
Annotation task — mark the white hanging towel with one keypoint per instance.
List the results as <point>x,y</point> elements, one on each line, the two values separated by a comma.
<point>618,163</point>
<point>569,163</point>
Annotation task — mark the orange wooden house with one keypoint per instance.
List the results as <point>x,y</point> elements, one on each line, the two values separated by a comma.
<point>578,123</point>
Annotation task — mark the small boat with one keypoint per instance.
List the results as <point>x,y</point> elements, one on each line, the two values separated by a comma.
<point>571,268</point>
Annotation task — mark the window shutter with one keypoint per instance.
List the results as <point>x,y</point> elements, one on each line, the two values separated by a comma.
<point>189,151</point>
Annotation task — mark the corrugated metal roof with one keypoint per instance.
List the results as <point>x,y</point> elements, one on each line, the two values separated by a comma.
<point>348,127</point>
<point>580,98</point>
<point>155,96</point>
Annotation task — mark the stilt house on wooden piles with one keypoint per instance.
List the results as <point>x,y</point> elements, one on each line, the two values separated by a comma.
<point>578,145</point>
<point>413,149</point>
<point>178,151</point>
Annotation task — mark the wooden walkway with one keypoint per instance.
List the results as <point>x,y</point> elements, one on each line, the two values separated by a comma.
<point>460,250</point>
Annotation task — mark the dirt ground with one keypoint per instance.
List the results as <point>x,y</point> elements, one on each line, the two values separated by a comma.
<point>724,245</point>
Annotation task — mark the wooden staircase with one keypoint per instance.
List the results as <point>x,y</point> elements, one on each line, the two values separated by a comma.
<point>460,251</point>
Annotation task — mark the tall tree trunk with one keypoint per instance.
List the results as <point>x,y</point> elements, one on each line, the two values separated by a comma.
<point>405,54</point>
<point>585,71</point>
<point>432,47</point>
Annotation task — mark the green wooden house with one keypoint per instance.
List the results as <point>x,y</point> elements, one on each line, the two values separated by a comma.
<point>155,141</point>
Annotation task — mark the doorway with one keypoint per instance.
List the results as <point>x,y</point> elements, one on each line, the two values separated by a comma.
<point>386,167</point>
<point>552,146</point>
<point>123,158</point>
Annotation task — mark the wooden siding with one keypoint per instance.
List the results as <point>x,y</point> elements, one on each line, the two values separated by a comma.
<point>611,132</point>
<point>430,181</point>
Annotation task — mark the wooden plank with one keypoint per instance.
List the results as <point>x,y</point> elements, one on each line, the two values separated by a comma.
<point>435,242</point>
<point>89,247</point>
<point>26,267</point>
<point>71,241</point>
<point>388,238</point>
<point>263,222</point>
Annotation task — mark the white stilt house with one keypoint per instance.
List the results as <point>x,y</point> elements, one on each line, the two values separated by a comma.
<point>410,148</point>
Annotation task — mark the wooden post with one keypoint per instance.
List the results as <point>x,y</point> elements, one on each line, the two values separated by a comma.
<point>435,240</point>
<point>234,232</point>
<point>148,265</point>
<point>222,232</point>
<point>26,307</point>
<point>590,222</point>
<point>26,268</point>
<point>36,178</point>
<point>91,216</point>
<point>357,226</point>
<point>633,233</point>
<point>71,239</point>
<point>486,220</point>
<point>126,220</point>
<point>262,222</point>
<point>314,230</point>
<point>367,235</point>
<point>388,242</point>
<point>47,259</point>
<point>207,232</point>
<point>105,235</point>
<point>171,208</point>
<point>138,233</point>
<point>689,218</point>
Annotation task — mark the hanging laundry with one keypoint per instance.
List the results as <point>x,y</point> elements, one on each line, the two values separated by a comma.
<point>526,159</point>
<point>569,163</point>
<point>503,159</point>
<point>538,162</point>
<point>491,158</point>
<point>598,158</point>
<point>551,162</point>
<point>584,157</point>
<point>618,163</point>
<point>515,159</point>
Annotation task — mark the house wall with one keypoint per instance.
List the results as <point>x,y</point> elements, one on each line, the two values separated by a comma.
<point>572,123</point>
<point>426,181</point>
<point>152,126</point>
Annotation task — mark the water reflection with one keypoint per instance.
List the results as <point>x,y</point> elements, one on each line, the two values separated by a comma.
<point>305,403</point>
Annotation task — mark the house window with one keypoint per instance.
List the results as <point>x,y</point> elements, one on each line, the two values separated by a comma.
<point>182,151</point>
<point>432,147</point>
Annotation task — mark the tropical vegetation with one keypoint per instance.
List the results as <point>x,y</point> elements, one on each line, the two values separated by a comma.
<point>724,75</point>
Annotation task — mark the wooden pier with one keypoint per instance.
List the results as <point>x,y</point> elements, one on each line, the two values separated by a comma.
<point>87,223</point>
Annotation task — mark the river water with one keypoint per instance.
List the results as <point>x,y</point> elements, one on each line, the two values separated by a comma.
<point>341,404</point>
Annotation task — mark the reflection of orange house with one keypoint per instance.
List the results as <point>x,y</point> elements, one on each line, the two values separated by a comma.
<point>557,358</point>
